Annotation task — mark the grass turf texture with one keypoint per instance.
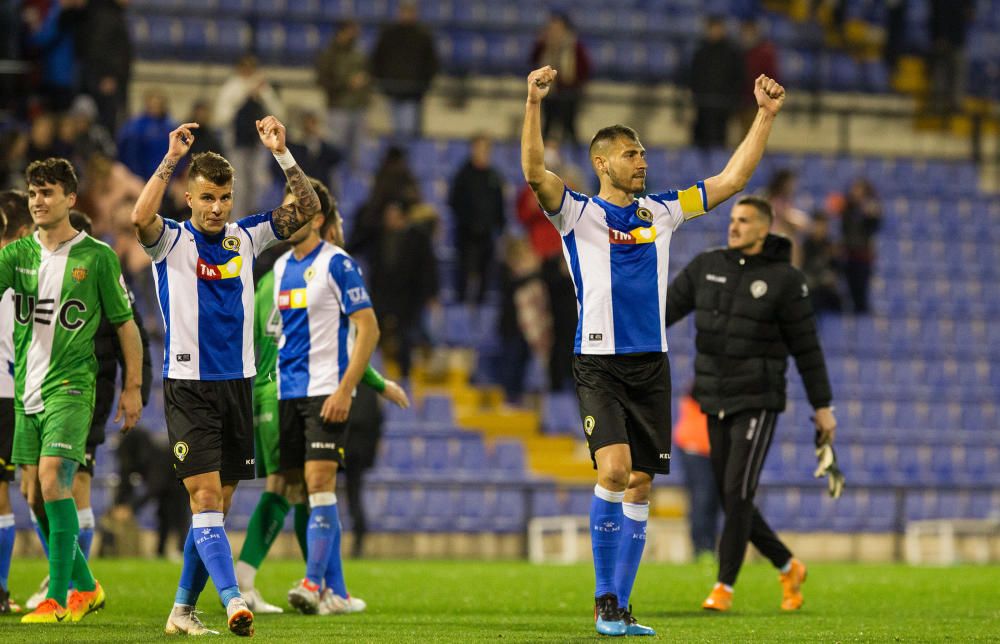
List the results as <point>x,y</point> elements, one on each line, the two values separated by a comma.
<point>446,601</point>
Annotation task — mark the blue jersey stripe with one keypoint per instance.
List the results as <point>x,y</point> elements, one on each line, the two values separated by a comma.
<point>574,263</point>
<point>164,296</point>
<point>342,357</point>
<point>635,300</point>
<point>220,306</point>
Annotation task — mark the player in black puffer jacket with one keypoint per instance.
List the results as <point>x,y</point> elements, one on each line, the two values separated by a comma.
<point>752,310</point>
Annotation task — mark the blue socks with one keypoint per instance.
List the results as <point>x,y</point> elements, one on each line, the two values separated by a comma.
<point>630,547</point>
<point>320,534</point>
<point>87,524</point>
<point>605,528</point>
<point>213,547</point>
<point>334,575</point>
<point>42,537</point>
<point>194,574</point>
<point>6,547</point>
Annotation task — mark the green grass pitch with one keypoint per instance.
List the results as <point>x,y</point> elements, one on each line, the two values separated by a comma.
<point>448,601</point>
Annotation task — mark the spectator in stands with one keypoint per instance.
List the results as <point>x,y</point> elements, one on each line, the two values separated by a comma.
<point>525,324</point>
<point>52,36</point>
<point>243,100</point>
<point>716,81</point>
<point>752,311</point>
<point>142,141</point>
<point>13,158</point>
<point>342,72</point>
<point>691,439</point>
<point>43,141</point>
<point>105,49</point>
<point>207,139</point>
<point>477,208</point>
<point>861,220</point>
<point>403,64</point>
<point>315,156</point>
<point>89,136</point>
<point>820,266</point>
<point>404,283</point>
<point>394,181</point>
<point>948,24</point>
<point>895,32</point>
<point>760,56</point>
<point>559,46</point>
<point>788,220</point>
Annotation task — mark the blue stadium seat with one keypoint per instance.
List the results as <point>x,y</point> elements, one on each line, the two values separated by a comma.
<point>437,459</point>
<point>473,512</point>
<point>508,513</point>
<point>471,460</point>
<point>397,454</point>
<point>560,413</point>
<point>508,459</point>
<point>438,409</point>
<point>440,510</point>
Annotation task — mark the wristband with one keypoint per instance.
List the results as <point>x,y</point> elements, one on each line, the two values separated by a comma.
<point>285,160</point>
<point>373,379</point>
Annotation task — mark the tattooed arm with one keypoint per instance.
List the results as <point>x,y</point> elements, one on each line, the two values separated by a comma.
<point>148,224</point>
<point>288,219</point>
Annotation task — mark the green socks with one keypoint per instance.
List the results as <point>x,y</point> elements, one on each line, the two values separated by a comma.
<point>66,560</point>
<point>265,525</point>
<point>301,525</point>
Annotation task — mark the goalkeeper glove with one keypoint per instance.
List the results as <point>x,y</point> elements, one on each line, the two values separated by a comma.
<point>826,465</point>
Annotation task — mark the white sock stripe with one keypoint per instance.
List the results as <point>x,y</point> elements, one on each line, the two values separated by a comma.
<point>34,519</point>
<point>86,518</point>
<point>6,520</point>
<point>607,495</point>
<point>636,511</point>
<point>208,520</point>
<point>322,498</point>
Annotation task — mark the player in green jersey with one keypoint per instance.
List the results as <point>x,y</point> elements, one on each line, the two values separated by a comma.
<point>63,282</point>
<point>279,494</point>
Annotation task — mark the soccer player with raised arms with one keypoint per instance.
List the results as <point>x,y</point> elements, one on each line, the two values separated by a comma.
<point>64,281</point>
<point>616,245</point>
<point>203,270</point>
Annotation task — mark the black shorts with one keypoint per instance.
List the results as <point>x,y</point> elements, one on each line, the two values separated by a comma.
<point>305,436</point>
<point>6,439</point>
<point>90,455</point>
<point>210,426</point>
<point>626,399</point>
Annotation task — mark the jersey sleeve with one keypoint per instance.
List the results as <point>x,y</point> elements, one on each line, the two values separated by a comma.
<point>114,295</point>
<point>7,263</point>
<point>159,250</point>
<point>260,229</point>
<point>683,204</point>
<point>570,211</point>
<point>345,274</point>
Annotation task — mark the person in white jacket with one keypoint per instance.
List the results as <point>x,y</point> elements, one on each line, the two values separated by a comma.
<point>244,99</point>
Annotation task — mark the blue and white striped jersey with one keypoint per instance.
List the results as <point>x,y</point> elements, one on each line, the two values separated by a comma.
<point>618,258</point>
<point>316,296</point>
<point>205,287</point>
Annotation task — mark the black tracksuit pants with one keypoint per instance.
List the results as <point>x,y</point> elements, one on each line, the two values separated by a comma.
<point>739,446</point>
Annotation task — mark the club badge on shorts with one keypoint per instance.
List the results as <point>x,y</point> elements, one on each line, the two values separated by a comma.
<point>588,425</point>
<point>180,450</point>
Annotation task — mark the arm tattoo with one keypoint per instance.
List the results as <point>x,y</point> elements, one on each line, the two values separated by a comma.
<point>165,170</point>
<point>288,219</point>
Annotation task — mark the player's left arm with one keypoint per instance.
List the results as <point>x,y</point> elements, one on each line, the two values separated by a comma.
<point>338,405</point>
<point>389,389</point>
<point>287,219</point>
<point>797,324</point>
<point>735,176</point>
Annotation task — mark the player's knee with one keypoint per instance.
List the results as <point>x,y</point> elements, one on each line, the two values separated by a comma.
<point>207,499</point>
<point>614,476</point>
<point>639,487</point>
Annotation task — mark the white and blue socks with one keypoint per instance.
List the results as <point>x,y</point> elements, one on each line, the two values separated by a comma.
<point>630,547</point>
<point>42,537</point>
<point>334,575</point>
<point>87,524</point>
<point>194,574</point>
<point>605,529</point>
<point>324,527</point>
<point>213,547</point>
<point>6,547</point>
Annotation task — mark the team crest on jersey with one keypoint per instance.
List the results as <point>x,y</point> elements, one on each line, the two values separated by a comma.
<point>231,243</point>
<point>79,274</point>
<point>640,235</point>
<point>181,450</point>
<point>309,273</point>
<point>588,425</point>
<point>644,214</point>
<point>758,289</point>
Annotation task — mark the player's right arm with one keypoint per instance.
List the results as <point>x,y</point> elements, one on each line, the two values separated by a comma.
<point>389,389</point>
<point>547,185</point>
<point>148,224</point>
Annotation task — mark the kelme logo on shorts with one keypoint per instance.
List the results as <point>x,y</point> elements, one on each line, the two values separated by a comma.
<point>181,450</point>
<point>588,425</point>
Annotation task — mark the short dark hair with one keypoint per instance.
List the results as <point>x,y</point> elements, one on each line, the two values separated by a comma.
<point>611,133</point>
<point>327,205</point>
<point>14,204</point>
<point>81,221</point>
<point>762,205</point>
<point>212,166</point>
<point>52,170</point>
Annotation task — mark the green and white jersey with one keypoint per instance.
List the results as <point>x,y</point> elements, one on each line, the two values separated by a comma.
<point>266,331</point>
<point>59,299</point>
